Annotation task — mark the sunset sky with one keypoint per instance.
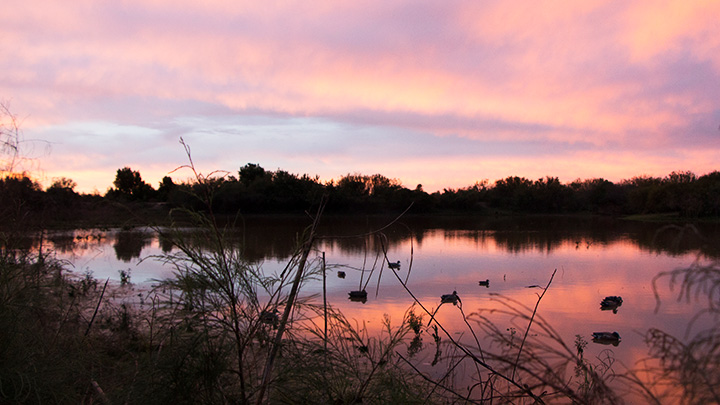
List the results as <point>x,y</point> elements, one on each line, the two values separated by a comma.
<point>439,93</point>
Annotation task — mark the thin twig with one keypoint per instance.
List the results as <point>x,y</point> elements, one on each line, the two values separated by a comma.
<point>512,376</point>
<point>477,341</point>
<point>97,307</point>
<point>325,301</point>
<point>412,254</point>
<point>485,365</point>
<point>437,384</point>
<point>307,247</point>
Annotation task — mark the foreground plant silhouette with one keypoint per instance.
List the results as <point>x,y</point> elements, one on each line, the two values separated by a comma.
<point>532,368</point>
<point>223,330</point>
<point>225,307</point>
<point>687,369</point>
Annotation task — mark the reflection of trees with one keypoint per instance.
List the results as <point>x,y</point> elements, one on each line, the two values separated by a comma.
<point>72,241</point>
<point>517,242</point>
<point>259,238</point>
<point>166,244</point>
<point>271,237</point>
<point>260,245</point>
<point>678,240</point>
<point>63,242</point>
<point>678,370</point>
<point>19,242</point>
<point>275,236</point>
<point>548,233</point>
<point>688,370</point>
<point>66,242</point>
<point>129,244</point>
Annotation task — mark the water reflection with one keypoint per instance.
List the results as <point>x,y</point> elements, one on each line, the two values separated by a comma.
<point>129,244</point>
<point>166,244</point>
<point>604,280</point>
<point>596,257</point>
<point>276,237</point>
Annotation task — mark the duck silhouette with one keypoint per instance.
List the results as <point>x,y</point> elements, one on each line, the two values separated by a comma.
<point>611,303</point>
<point>450,298</point>
<point>606,338</point>
<point>358,296</point>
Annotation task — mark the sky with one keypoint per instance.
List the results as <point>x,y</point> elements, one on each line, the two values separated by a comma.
<point>442,94</point>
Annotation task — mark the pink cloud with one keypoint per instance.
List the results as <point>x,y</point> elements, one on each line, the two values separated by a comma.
<point>654,28</point>
<point>597,75</point>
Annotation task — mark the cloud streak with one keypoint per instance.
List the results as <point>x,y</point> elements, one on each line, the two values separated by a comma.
<point>408,89</point>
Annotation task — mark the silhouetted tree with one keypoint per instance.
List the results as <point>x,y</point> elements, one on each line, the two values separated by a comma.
<point>469,199</point>
<point>130,185</point>
<point>639,190</point>
<point>20,197</point>
<point>61,195</point>
<point>681,177</point>
<point>512,193</point>
<point>259,190</point>
<point>549,195</point>
<point>293,191</point>
<point>677,193</point>
<point>166,187</point>
<point>598,195</point>
<point>63,183</point>
<point>250,173</point>
<point>708,190</point>
<point>353,186</point>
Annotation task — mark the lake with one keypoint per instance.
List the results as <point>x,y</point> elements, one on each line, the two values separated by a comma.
<point>593,258</point>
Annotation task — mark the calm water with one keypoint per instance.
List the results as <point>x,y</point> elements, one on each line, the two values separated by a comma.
<point>594,258</point>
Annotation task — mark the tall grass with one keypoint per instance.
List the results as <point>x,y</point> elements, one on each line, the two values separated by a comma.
<point>224,330</point>
<point>47,353</point>
<point>686,369</point>
<point>254,336</point>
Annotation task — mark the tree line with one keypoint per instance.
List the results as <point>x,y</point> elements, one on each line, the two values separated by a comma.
<point>254,189</point>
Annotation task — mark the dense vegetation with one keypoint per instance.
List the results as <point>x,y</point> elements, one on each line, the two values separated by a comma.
<point>223,330</point>
<point>256,190</point>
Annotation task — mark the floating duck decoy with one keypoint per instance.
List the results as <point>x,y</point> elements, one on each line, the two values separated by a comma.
<point>450,298</point>
<point>358,296</point>
<point>394,266</point>
<point>341,274</point>
<point>612,300</point>
<point>270,317</point>
<point>611,303</point>
<point>485,283</point>
<point>606,338</point>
